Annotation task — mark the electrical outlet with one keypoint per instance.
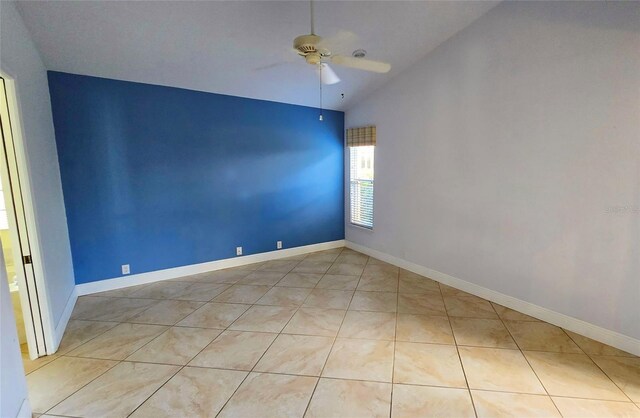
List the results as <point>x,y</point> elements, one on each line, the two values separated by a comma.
<point>238,250</point>
<point>279,245</point>
<point>126,269</point>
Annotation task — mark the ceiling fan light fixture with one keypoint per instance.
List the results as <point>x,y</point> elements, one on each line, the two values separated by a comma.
<point>313,58</point>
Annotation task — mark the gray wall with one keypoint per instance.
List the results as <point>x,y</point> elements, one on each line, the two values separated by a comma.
<point>20,59</point>
<point>509,157</point>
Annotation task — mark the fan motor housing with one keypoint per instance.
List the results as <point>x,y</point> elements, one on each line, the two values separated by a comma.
<point>305,44</point>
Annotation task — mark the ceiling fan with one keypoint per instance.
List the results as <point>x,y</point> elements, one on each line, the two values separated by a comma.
<point>317,52</point>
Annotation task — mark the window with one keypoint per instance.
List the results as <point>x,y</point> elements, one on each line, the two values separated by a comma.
<point>361,143</point>
<point>361,185</point>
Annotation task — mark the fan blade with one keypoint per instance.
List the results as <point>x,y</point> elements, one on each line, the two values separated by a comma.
<point>327,75</point>
<point>361,64</point>
<point>341,43</point>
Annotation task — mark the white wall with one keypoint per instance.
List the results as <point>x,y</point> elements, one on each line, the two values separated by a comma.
<point>502,152</point>
<point>13,384</point>
<point>20,59</point>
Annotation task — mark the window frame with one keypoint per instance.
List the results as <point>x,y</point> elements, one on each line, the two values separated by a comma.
<point>352,181</point>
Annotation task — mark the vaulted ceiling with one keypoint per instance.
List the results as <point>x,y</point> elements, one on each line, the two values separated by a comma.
<point>241,48</point>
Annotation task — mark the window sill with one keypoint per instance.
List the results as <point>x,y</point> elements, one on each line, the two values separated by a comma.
<point>364,228</point>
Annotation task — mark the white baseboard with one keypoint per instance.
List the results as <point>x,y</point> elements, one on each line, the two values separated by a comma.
<point>173,273</point>
<point>612,338</point>
<point>64,320</point>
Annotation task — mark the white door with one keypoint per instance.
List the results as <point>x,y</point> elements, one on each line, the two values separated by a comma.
<point>19,233</point>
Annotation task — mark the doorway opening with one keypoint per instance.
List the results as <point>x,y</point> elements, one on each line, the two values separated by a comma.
<point>10,268</point>
<point>14,235</point>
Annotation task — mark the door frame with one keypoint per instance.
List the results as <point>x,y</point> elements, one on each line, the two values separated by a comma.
<point>43,325</point>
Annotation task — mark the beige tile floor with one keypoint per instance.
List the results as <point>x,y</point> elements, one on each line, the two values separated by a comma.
<point>333,333</point>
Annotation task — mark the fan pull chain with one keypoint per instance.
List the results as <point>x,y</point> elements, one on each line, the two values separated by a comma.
<point>320,78</point>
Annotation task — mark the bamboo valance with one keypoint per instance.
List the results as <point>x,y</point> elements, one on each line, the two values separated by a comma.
<point>360,137</point>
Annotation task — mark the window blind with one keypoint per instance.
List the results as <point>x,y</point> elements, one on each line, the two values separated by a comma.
<point>361,143</point>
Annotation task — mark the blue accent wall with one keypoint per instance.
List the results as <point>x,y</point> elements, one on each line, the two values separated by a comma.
<point>160,177</point>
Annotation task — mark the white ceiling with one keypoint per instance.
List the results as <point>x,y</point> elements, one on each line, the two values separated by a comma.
<point>217,46</point>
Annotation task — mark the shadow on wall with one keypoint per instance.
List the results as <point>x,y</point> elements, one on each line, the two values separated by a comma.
<point>160,177</point>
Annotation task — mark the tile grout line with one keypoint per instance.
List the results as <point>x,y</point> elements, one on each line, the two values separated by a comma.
<point>121,361</point>
<point>544,351</point>
<point>65,354</point>
<point>598,366</point>
<point>264,352</point>
<point>360,380</point>
<point>455,342</point>
<point>157,389</point>
<point>313,392</point>
<point>181,367</point>
<point>299,306</point>
<point>200,351</point>
<point>267,349</point>
<point>167,330</point>
<point>527,360</point>
<point>83,386</point>
<point>271,287</point>
<point>157,336</point>
<point>364,380</point>
<point>207,345</point>
<point>101,374</point>
<point>184,366</point>
<point>395,345</point>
